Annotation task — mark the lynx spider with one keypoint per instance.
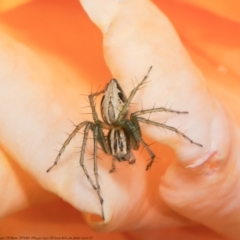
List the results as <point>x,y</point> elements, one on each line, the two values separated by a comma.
<point>124,134</point>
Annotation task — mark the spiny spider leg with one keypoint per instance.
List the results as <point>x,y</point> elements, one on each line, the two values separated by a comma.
<point>78,127</point>
<point>131,127</point>
<point>70,137</point>
<point>100,135</point>
<point>96,187</point>
<point>113,169</point>
<point>140,119</point>
<point>160,109</point>
<point>132,94</point>
<point>94,112</point>
<point>95,167</point>
<point>131,160</point>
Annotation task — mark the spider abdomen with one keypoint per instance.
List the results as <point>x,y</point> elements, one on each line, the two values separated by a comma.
<point>112,102</point>
<point>119,144</point>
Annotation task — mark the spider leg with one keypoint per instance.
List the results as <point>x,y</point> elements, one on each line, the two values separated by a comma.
<point>68,140</point>
<point>132,94</point>
<point>134,141</point>
<point>135,134</point>
<point>113,169</point>
<point>132,160</point>
<point>160,109</point>
<point>102,140</point>
<point>140,119</point>
<point>96,187</point>
<point>92,105</point>
<point>96,132</point>
<point>100,136</point>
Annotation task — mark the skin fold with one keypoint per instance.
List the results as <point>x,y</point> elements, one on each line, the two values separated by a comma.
<point>42,77</point>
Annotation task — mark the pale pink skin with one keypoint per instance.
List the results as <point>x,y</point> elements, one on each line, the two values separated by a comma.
<point>195,185</point>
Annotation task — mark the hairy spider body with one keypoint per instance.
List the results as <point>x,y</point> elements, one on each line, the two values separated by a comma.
<point>123,135</point>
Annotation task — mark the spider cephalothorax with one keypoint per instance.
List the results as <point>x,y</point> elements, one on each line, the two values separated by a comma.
<point>124,133</point>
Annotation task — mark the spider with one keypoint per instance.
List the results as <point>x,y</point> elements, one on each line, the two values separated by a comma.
<point>124,134</point>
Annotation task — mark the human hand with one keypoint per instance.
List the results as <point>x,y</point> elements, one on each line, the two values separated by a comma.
<point>174,79</point>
